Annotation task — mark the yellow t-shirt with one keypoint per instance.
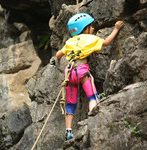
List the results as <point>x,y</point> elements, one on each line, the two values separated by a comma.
<point>81,46</point>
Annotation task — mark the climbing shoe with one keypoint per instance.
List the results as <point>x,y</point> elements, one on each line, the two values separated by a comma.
<point>69,135</point>
<point>94,111</point>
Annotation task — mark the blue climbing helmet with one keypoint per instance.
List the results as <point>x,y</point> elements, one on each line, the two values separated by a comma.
<point>78,22</point>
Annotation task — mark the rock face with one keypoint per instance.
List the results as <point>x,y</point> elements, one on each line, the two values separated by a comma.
<point>119,123</point>
<point>129,69</point>
<point>20,11</point>
<point>56,6</point>
<point>122,113</point>
<point>18,63</point>
<point>53,134</point>
<point>29,89</point>
<point>12,125</point>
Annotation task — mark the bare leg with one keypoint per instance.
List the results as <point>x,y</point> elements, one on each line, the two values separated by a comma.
<point>68,121</point>
<point>92,104</point>
<point>90,90</point>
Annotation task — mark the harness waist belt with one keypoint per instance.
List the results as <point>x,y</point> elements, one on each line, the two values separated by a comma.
<point>79,62</point>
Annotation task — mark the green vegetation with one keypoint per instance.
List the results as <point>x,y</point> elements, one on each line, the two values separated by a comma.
<point>102,95</point>
<point>134,128</point>
<point>43,41</point>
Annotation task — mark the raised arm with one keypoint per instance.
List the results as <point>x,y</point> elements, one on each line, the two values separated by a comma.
<point>109,39</point>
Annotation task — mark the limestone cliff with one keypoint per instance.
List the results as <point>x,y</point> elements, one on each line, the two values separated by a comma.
<point>30,33</point>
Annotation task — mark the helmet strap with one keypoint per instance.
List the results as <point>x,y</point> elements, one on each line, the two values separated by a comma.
<point>88,29</point>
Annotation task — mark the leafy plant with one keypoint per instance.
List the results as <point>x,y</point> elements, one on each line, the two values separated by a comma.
<point>102,95</point>
<point>133,128</point>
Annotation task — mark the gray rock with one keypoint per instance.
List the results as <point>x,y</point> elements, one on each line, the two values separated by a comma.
<point>129,69</point>
<point>118,124</point>
<point>141,18</point>
<point>53,134</point>
<point>13,124</point>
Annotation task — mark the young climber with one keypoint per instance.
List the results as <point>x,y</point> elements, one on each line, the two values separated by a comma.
<point>77,49</point>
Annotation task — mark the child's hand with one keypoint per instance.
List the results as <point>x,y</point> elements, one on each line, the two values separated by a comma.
<point>53,61</point>
<point>119,25</point>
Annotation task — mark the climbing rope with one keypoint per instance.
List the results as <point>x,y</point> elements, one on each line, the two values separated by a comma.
<point>46,120</point>
<point>92,81</point>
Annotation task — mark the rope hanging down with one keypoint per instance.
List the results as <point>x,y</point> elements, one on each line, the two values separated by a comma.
<point>62,103</point>
<point>46,121</point>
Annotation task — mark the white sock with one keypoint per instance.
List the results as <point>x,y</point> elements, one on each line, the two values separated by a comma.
<point>68,129</point>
